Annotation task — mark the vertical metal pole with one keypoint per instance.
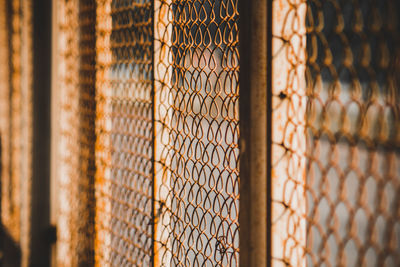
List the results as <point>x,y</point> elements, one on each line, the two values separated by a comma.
<point>254,132</point>
<point>41,94</point>
<point>55,159</point>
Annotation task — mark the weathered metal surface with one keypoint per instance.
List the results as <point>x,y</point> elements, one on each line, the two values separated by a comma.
<point>254,120</point>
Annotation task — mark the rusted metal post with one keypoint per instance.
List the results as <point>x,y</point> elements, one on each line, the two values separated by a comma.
<point>254,132</point>
<point>39,189</point>
<point>56,136</point>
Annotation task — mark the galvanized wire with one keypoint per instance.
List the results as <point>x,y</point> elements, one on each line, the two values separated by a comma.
<point>352,173</point>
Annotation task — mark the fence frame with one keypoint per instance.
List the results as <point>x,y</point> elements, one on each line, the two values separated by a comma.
<point>255,131</point>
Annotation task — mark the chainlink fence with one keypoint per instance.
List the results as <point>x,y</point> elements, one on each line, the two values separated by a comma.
<point>196,133</point>
<point>153,131</point>
<point>147,129</point>
<point>338,204</point>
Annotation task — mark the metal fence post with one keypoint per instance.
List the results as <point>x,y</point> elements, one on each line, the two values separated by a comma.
<point>254,119</point>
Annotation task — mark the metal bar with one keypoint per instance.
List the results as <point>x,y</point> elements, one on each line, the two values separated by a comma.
<point>253,130</point>
<point>41,92</point>
<point>56,137</point>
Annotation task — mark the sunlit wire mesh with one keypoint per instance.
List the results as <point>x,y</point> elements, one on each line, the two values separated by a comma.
<point>125,133</point>
<point>5,120</point>
<point>87,116</point>
<point>196,150</point>
<point>4,107</point>
<point>108,85</point>
<point>75,151</point>
<point>11,208</point>
<point>16,129</point>
<point>346,53</point>
<point>108,100</point>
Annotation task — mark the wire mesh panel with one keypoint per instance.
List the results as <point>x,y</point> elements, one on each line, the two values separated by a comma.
<point>16,130</point>
<point>288,133</point>
<point>160,146</point>
<point>68,125</point>
<point>4,104</point>
<point>125,135</point>
<point>5,130</point>
<point>350,133</point>
<point>11,189</point>
<point>75,151</point>
<point>87,138</point>
<point>196,112</point>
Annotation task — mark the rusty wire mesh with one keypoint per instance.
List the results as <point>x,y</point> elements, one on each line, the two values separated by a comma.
<point>16,129</point>
<point>125,133</point>
<point>11,208</point>
<point>4,107</point>
<point>196,112</point>
<point>75,151</point>
<point>108,85</point>
<point>346,54</point>
<point>87,115</point>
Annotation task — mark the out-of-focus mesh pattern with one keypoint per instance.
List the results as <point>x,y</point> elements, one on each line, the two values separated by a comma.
<point>196,111</point>
<point>76,206</point>
<point>289,102</point>
<point>351,186</point>
<point>5,118</point>
<point>125,133</point>
<point>16,128</point>
<point>11,183</point>
<point>87,137</point>
<point>67,152</point>
<point>4,104</point>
